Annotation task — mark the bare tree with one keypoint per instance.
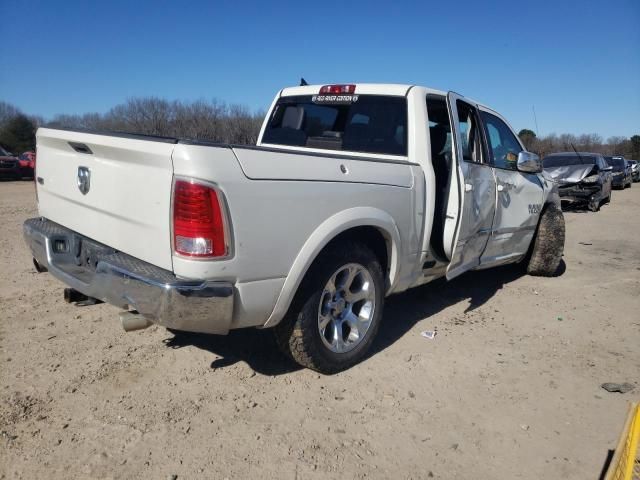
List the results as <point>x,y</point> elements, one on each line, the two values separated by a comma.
<point>617,145</point>
<point>219,122</point>
<point>200,119</point>
<point>7,112</point>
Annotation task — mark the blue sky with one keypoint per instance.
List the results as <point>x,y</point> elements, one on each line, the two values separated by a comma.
<point>578,62</point>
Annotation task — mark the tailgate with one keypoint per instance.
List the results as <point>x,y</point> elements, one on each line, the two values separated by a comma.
<point>128,202</point>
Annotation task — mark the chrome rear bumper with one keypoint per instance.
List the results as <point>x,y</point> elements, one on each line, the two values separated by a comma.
<point>126,282</point>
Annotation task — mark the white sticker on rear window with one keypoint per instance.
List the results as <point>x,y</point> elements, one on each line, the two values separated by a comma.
<point>334,99</point>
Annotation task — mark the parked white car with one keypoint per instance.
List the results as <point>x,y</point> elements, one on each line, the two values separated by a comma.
<point>353,193</point>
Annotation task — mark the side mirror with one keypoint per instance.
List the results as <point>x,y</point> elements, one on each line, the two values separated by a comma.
<point>529,162</point>
<point>607,169</point>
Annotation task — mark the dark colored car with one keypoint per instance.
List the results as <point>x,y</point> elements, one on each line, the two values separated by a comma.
<point>621,172</point>
<point>581,177</point>
<point>635,170</point>
<point>9,165</point>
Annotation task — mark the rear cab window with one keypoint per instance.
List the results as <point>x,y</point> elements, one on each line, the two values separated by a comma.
<point>362,123</point>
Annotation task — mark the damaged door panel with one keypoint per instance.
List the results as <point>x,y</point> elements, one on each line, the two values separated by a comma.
<point>519,195</point>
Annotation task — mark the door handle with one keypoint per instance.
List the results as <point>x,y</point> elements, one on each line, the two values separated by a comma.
<point>468,187</point>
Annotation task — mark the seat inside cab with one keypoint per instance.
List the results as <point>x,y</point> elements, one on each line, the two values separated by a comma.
<point>442,161</point>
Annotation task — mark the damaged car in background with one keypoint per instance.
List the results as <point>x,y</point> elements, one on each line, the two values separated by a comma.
<point>621,171</point>
<point>635,170</point>
<point>582,178</point>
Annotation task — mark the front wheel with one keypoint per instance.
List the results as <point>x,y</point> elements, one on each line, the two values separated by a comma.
<point>548,244</point>
<point>336,313</point>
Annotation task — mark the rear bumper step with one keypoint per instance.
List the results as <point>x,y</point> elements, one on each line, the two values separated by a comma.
<point>100,272</point>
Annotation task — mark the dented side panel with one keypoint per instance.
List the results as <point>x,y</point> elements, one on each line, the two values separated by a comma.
<point>520,199</point>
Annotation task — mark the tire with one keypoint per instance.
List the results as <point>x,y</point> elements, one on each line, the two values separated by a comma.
<point>548,244</point>
<point>594,206</point>
<point>300,334</point>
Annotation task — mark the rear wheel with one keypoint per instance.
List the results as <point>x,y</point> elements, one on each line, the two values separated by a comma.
<point>337,310</point>
<point>548,244</point>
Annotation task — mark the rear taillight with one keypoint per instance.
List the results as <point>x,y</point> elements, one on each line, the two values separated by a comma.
<point>338,89</point>
<point>198,220</point>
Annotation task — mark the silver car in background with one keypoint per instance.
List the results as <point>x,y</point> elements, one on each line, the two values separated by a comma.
<point>635,170</point>
<point>582,177</point>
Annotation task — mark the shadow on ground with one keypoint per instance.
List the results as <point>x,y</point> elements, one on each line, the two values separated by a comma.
<point>404,310</point>
<point>259,350</point>
<point>576,208</point>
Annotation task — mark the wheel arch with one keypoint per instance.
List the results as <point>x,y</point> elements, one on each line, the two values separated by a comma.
<point>372,226</point>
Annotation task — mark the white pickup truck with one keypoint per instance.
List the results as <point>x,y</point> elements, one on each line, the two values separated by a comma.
<point>353,193</point>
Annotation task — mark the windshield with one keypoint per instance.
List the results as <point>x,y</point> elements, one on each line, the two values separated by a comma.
<point>566,160</point>
<point>616,162</point>
<point>3,152</point>
<point>362,123</point>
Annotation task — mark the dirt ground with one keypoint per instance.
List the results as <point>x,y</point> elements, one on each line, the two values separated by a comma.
<point>509,387</point>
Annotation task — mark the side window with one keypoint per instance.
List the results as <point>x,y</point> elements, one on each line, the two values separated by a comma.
<point>503,144</point>
<point>469,132</point>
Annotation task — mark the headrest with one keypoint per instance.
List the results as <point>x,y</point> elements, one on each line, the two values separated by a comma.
<point>293,117</point>
<point>438,135</point>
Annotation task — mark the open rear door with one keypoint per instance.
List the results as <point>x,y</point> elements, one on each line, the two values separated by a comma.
<point>476,188</point>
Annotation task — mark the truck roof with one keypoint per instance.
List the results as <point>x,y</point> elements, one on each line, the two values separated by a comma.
<point>394,89</point>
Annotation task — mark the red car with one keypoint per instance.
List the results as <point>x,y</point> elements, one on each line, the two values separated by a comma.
<point>16,167</point>
<point>27,163</point>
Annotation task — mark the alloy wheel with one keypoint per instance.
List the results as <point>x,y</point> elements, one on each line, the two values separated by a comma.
<point>347,307</point>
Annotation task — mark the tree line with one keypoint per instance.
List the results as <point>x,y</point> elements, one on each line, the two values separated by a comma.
<point>202,119</point>
<point>592,142</point>
<point>219,122</point>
